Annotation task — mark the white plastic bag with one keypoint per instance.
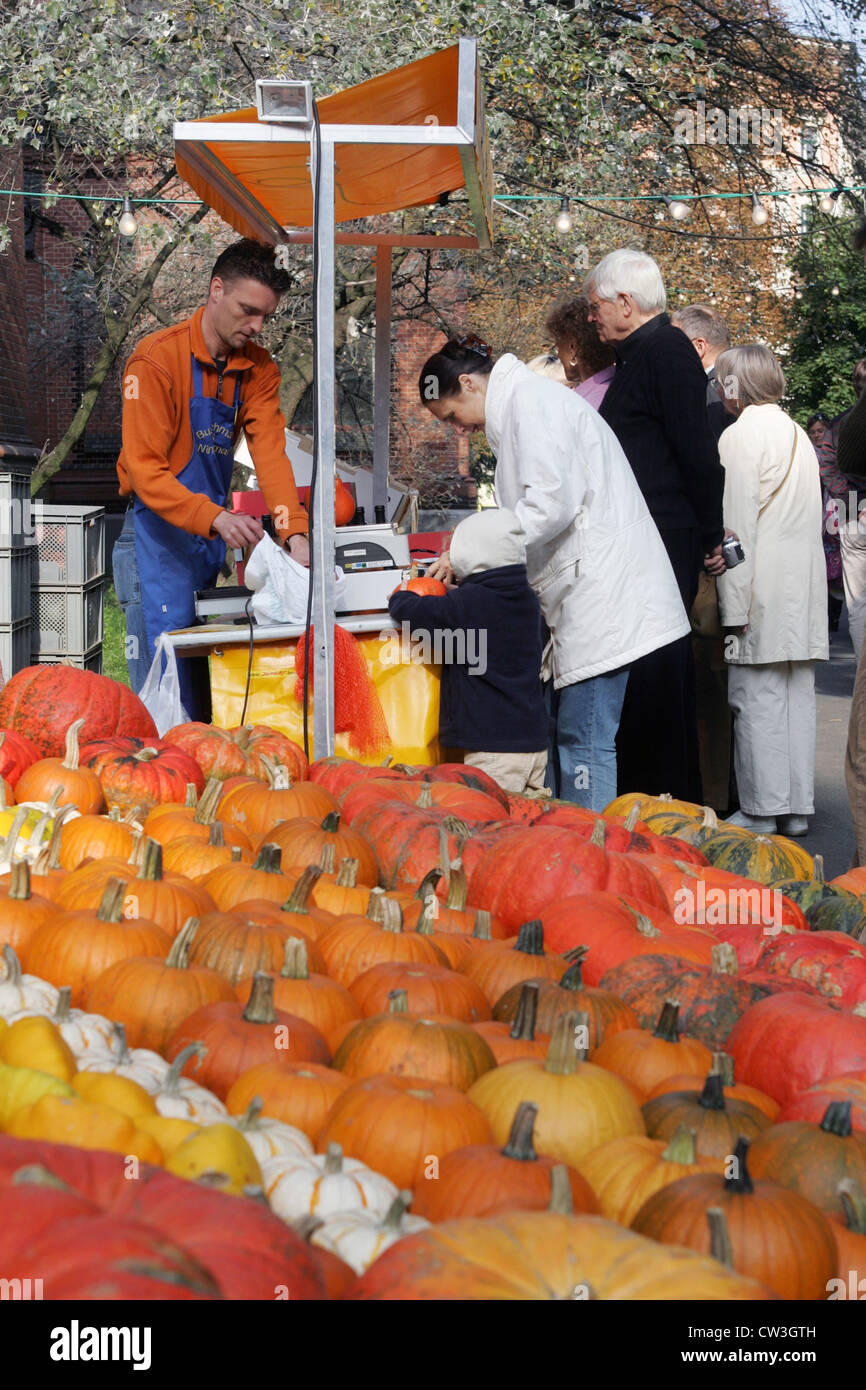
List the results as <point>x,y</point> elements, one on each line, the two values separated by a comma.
<point>280,585</point>
<point>160,693</point>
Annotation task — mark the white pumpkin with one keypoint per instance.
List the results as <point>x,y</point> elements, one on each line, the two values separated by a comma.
<point>88,1035</point>
<point>270,1138</point>
<point>20,992</point>
<point>136,1064</point>
<point>182,1099</point>
<point>322,1184</point>
<point>359,1237</point>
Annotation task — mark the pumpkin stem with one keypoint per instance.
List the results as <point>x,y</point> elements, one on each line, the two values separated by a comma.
<point>426,923</point>
<point>725,959</point>
<point>837,1119</point>
<point>682,1147</point>
<point>397,1210</point>
<point>331,823</point>
<point>424,800</point>
<point>632,818</point>
<point>428,884</point>
<point>386,911</point>
<point>853,1200</point>
<point>561,1195</point>
<point>573,977</point>
<point>296,961</point>
<point>172,1076</point>
<point>520,1138</point>
<point>278,775</point>
<point>206,807</point>
<point>191,798</point>
<point>19,881</point>
<point>36,1174</point>
<point>723,1063</point>
<point>458,888</point>
<point>111,907</point>
<point>818,870</point>
<point>269,859</point>
<point>13,966</point>
<point>333,1159</point>
<point>444,857</point>
<point>530,938</point>
<point>598,833</point>
<point>348,874</point>
<point>306,1226</point>
<point>178,956</point>
<point>237,854</point>
<point>398,1001</point>
<point>297,900</point>
<point>216,835</point>
<point>251,1116</point>
<point>720,1237</point>
<point>565,1050</point>
<point>481,929</point>
<point>260,1007</point>
<point>712,1097</point>
<point>61,1008</point>
<point>523,1027</point>
<point>122,1045</point>
<point>740,1179</point>
<point>151,867</point>
<point>49,857</point>
<point>327,856</point>
<point>645,926</point>
<point>136,854</point>
<point>70,761</point>
<point>666,1028</point>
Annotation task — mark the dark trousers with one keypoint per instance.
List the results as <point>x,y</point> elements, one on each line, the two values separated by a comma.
<point>657,744</point>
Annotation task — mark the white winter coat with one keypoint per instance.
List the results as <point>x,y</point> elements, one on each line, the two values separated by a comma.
<point>593,553</point>
<point>780,590</point>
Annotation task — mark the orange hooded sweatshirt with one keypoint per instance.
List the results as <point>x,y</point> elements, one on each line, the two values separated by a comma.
<point>157,438</point>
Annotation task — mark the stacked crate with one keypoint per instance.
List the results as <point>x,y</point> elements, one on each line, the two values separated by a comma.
<point>68,586</point>
<point>17,552</point>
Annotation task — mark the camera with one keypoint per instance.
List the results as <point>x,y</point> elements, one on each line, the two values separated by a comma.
<point>732,552</point>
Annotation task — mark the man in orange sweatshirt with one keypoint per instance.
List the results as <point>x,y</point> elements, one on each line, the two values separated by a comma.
<point>188,391</point>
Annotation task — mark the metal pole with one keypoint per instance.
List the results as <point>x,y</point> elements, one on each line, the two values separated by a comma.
<point>323,509</point>
<point>382,379</point>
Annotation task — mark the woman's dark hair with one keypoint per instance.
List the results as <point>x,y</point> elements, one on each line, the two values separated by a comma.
<point>441,373</point>
<point>819,418</point>
<point>251,260</point>
<point>567,320</point>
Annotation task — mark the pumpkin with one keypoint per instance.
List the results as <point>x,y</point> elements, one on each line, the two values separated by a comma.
<point>269,1137</point>
<point>299,1093</point>
<point>517,1039</point>
<point>152,997</point>
<point>352,945</point>
<point>624,1173</point>
<point>302,839</point>
<point>463,773</point>
<point>429,988</point>
<point>19,992</point>
<point>788,1042</point>
<point>16,754</point>
<point>298,912</point>
<point>449,912</point>
<point>644,1058</point>
<point>36,1042</point>
<point>710,1002</point>
<point>615,930</point>
<point>723,1065</point>
<point>500,965</point>
<point>70,1120</point>
<point>359,1236</point>
<point>76,947</point>
<point>88,1034</point>
<point>337,774</point>
<point>812,1104</point>
<point>764,858</point>
<point>421,584</point>
<point>136,775</point>
<point>40,701</point>
<point>853,881</point>
<point>686,811</point>
<point>716,1122</point>
<point>195,819</point>
<point>813,1159</point>
<point>773,1235</point>
<point>95,837</point>
<point>224,753</point>
<point>608,1013</point>
<point>580,1105</point>
<point>115,1093</point>
<point>815,892</point>
<point>237,1038</point>
<point>167,901</point>
<point>708,896</point>
<point>179,1098</point>
<point>452,798</point>
<point>839,914</point>
<point>21,1087</point>
<point>236,948</point>
<point>21,912</point>
<point>236,883</point>
<point>195,857</point>
<point>316,998</point>
<point>398,1043</point>
<point>395,1123</point>
<point>321,1184</point>
<point>77,785</point>
<point>830,961</point>
<point>83,889</point>
<point>222,1153</point>
<point>256,808</point>
<point>408,838</point>
<point>532,1255</point>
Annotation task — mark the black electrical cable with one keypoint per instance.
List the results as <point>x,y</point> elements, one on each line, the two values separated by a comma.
<point>251,622</point>
<point>314,471</point>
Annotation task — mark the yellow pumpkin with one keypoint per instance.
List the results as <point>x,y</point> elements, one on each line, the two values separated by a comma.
<point>116,1093</point>
<point>71,1120</point>
<point>651,805</point>
<point>168,1131</point>
<point>220,1154</point>
<point>22,1086</point>
<point>37,1043</point>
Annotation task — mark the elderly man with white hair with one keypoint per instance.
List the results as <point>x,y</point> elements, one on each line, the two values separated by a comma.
<point>656,407</point>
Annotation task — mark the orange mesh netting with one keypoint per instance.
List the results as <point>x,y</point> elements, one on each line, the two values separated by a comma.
<point>357,710</point>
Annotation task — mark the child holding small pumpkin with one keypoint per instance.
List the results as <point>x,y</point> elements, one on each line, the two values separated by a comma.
<point>486,634</point>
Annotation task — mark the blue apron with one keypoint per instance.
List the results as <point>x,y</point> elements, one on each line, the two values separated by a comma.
<point>173,563</point>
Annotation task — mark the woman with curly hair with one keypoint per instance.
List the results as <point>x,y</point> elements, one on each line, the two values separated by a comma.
<point>587,361</point>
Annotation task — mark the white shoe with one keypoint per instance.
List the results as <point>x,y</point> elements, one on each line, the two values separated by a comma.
<point>793,826</point>
<point>762,825</point>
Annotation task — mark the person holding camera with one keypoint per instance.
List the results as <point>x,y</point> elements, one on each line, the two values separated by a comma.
<point>773,601</point>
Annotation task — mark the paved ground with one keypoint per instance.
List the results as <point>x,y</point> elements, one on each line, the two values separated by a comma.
<point>830,831</point>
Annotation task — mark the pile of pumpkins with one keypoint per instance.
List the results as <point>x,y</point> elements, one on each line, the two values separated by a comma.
<point>409,1036</point>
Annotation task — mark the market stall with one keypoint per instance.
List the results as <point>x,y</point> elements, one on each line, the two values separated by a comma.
<point>401,140</point>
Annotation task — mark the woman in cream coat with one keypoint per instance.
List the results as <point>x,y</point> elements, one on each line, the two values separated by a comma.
<point>773,606</point>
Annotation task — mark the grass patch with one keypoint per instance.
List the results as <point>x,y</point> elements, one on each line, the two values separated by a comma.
<point>114,638</point>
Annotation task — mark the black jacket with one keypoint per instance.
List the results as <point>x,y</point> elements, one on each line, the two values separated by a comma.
<point>487,636</point>
<point>656,406</point>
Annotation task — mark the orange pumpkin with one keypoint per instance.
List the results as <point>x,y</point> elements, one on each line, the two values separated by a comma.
<point>398,1043</point>
<point>63,779</point>
<point>95,837</point>
<point>22,912</point>
<point>234,884</point>
<point>300,1094</point>
<point>502,965</point>
<point>429,988</point>
<point>321,1001</point>
<point>302,839</point>
<point>353,945</point>
<point>645,1057</point>
<point>256,808</point>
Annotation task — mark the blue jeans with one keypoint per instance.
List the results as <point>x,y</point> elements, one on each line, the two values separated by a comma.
<point>128,589</point>
<point>584,720</point>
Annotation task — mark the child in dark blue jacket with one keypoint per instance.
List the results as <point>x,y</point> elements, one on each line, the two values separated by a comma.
<point>486,635</point>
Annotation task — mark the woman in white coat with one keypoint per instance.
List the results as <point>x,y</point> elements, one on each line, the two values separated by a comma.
<point>773,606</point>
<point>593,554</point>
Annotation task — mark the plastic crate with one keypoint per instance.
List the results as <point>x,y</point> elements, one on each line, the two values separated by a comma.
<point>89,661</point>
<point>18,511</point>
<point>14,647</point>
<point>15,584</point>
<point>70,543</point>
<point>67,620</point>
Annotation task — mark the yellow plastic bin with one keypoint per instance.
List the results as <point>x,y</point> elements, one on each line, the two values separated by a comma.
<point>408,691</point>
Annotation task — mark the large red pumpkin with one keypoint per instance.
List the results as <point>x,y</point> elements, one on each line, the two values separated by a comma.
<point>615,931</point>
<point>16,754</point>
<point>224,753</point>
<point>42,701</point>
<point>136,775</point>
<point>788,1042</point>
